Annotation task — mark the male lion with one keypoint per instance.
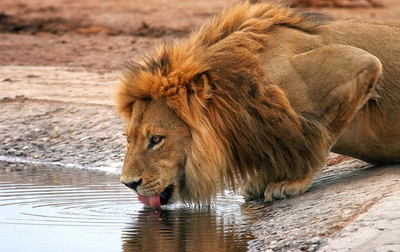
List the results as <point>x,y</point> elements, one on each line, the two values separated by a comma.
<point>259,96</point>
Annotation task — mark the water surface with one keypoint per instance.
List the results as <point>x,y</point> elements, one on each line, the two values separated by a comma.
<point>53,208</point>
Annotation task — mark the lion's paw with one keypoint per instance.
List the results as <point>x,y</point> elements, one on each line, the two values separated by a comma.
<point>284,189</point>
<point>275,191</point>
<point>250,192</point>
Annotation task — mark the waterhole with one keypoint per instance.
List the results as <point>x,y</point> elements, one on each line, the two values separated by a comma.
<point>48,208</point>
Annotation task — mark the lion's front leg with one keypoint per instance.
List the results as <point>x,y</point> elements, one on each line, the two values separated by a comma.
<point>284,189</point>
<point>338,81</point>
<point>269,190</point>
<point>251,190</point>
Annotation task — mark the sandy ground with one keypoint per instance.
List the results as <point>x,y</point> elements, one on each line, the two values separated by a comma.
<point>60,61</point>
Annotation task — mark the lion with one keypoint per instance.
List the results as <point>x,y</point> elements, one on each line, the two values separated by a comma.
<point>255,100</point>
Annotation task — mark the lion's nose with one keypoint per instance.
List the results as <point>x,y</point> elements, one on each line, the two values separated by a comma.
<point>132,184</point>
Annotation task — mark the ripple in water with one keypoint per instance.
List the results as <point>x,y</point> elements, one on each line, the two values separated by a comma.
<point>64,209</point>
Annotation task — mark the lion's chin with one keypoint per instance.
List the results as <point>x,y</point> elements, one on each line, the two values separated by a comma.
<point>157,200</point>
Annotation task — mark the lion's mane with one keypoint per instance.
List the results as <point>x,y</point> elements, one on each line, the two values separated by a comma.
<point>242,128</point>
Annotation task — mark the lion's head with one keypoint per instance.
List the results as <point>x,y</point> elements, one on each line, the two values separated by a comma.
<point>157,146</point>
<point>200,117</point>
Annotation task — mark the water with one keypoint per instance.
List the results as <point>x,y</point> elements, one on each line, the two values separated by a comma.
<point>48,208</point>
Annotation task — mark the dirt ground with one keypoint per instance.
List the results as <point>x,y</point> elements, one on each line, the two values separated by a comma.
<point>102,35</point>
<point>60,61</point>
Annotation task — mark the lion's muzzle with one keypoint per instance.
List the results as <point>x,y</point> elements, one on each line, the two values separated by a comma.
<point>132,184</point>
<point>152,200</point>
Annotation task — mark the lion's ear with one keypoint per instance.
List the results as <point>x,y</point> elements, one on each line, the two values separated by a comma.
<point>201,85</point>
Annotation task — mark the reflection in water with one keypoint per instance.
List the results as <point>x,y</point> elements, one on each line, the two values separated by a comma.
<point>61,209</point>
<point>187,229</point>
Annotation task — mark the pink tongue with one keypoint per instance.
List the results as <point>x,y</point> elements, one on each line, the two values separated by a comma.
<point>153,201</point>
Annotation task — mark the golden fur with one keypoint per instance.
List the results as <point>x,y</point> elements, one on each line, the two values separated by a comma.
<point>232,107</point>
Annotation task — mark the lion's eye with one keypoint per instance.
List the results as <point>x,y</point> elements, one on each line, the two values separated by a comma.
<point>154,140</point>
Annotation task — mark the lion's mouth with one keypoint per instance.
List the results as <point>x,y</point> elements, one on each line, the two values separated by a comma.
<point>157,200</point>
<point>166,195</point>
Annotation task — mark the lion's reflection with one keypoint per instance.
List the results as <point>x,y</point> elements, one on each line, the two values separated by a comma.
<point>186,230</point>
